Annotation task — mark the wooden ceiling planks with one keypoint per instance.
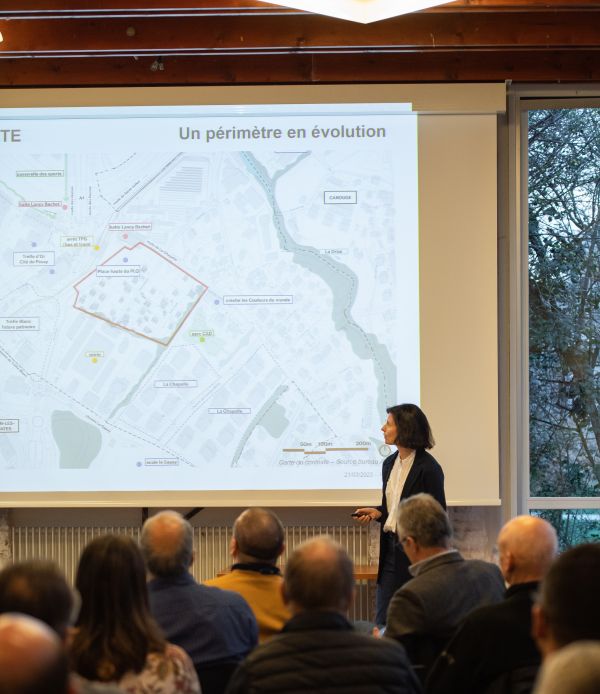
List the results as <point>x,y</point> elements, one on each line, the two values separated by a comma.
<point>119,42</point>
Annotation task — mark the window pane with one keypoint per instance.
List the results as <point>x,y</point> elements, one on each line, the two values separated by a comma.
<point>564,301</point>
<point>573,526</point>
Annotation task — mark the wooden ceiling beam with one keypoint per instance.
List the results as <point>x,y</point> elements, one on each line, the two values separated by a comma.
<point>473,66</point>
<point>290,33</point>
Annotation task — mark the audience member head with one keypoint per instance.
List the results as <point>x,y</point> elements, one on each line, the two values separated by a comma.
<point>319,576</point>
<point>423,527</point>
<point>527,546</point>
<point>115,631</point>
<point>568,608</point>
<point>575,669</point>
<point>257,537</point>
<point>32,657</point>
<point>167,544</point>
<point>38,589</point>
<point>412,428</point>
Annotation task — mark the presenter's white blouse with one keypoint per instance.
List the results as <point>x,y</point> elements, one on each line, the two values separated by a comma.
<point>394,487</point>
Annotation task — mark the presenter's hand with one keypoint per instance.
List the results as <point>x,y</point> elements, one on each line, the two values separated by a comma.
<point>366,515</point>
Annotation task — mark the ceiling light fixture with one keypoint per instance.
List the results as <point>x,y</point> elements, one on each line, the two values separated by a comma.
<point>363,11</point>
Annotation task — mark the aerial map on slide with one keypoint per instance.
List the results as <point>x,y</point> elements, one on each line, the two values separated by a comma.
<point>205,299</point>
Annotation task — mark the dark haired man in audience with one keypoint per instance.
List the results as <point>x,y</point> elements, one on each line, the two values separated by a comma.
<point>566,623</point>
<point>32,657</point>
<point>495,644</point>
<point>318,650</point>
<point>568,609</point>
<point>39,589</point>
<point>256,545</point>
<point>427,610</point>
<point>216,627</point>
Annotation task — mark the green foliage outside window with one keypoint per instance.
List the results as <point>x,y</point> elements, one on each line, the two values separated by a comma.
<point>564,306</point>
<point>573,526</point>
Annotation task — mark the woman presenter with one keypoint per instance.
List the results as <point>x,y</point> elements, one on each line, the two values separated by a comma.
<point>410,470</point>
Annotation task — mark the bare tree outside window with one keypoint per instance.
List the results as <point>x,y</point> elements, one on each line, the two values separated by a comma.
<point>564,313</point>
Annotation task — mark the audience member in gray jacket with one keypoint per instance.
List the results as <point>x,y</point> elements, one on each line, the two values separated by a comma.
<point>427,610</point>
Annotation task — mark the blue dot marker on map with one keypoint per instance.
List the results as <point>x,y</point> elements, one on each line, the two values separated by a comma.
<point>33,244</point>
<point>52,270</point>
<point>217,302</point>
<point>125,260</point>
<point>139,464</point>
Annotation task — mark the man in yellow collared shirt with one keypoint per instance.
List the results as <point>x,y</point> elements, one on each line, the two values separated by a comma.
<point>256,545</point>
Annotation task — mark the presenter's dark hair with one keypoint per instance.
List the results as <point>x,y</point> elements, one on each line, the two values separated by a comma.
<point>115,631</point>
<point>413,430</point>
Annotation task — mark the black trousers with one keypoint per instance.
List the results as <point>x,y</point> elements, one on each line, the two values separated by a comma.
<point>393,574</point>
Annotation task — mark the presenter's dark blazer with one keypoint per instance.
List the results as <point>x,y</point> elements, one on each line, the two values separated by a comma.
<point>425,476</point>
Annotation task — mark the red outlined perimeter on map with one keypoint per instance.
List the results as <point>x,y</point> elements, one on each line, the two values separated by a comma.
<point>124,327</point>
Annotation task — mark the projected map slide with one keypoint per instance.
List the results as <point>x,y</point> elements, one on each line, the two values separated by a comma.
<point>209,298</point>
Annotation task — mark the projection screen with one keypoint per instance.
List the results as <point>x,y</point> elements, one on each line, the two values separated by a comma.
<point>210,296</point>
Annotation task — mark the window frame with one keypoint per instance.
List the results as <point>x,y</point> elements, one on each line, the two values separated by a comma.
<point>514,388</point>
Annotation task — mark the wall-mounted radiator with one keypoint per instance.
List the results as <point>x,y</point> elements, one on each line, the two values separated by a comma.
<point>63,545</point>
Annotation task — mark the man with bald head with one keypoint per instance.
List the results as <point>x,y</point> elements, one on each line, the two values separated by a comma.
<point>256,545</point>
<point>32,658</point>
<point>495,643</point>
<point>318,649</point>
<point>215,627</point>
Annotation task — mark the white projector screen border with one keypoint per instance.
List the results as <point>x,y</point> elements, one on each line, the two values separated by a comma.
<point>458,280</point>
